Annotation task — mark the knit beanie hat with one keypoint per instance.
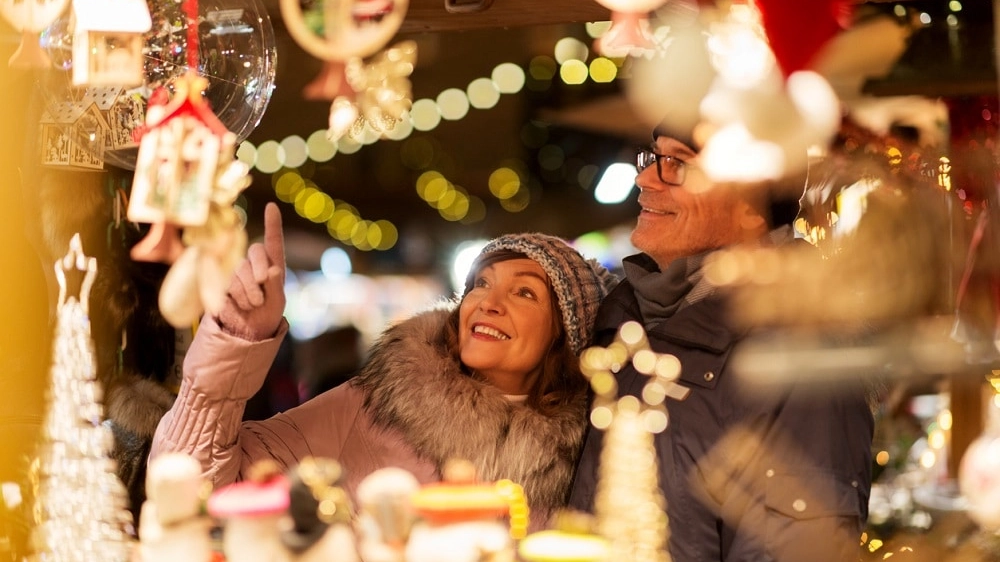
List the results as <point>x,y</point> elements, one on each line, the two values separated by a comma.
<point>578,283</point>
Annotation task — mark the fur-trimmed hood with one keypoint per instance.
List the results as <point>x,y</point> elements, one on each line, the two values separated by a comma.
<point>417,388</point>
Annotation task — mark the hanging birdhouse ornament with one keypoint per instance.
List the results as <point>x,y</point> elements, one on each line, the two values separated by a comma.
<point>177,160</point>
<point>30,17</point>
<point>376,94</point>
<point>108,38</point>
<point>187,177</point>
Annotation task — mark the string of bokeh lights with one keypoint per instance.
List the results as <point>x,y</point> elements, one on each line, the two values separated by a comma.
<point>508,182</point>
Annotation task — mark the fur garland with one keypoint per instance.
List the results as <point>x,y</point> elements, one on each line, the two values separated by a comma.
<point>413,386</point>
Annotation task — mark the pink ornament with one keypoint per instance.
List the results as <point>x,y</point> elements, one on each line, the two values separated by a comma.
<point>629,33</point>
<point>979,481</point>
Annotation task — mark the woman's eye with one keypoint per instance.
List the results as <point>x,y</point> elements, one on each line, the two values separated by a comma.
<point>480,282</point>
<point>525,292</point>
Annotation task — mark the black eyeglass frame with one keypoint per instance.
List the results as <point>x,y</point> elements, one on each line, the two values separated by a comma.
<point>645,157</point>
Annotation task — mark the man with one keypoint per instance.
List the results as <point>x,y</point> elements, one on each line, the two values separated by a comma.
<point>765,476</point>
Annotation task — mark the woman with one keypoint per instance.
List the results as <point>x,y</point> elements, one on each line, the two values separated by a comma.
<point>494,380</point>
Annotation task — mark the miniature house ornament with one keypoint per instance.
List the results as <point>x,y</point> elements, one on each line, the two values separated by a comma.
<point>108,39</point>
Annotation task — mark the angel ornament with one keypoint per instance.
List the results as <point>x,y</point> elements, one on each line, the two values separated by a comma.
<point>376,94</point>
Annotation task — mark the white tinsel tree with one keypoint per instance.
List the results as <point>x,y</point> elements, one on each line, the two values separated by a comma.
<point>81,507</point>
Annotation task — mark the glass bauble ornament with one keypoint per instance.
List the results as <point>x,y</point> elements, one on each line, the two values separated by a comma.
<point>236,53</point>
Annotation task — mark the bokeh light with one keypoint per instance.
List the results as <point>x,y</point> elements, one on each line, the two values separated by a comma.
<point>508,77</point>
<point>295,149</point>
<point>425,115</point>
<point>453,104</point>
<point>483,93</point>
<point>321,148</point>
<point>570,48</point>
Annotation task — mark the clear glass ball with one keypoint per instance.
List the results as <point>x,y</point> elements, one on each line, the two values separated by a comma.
<point>236,53</point>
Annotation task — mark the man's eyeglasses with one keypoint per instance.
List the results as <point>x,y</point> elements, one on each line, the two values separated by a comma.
<point>671,169</point>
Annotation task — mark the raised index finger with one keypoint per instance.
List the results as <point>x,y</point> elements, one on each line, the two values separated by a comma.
<point>274,237</point>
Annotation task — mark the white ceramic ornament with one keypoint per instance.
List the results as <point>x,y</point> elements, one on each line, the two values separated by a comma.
<point>171,524</point>
<point>30,17</point>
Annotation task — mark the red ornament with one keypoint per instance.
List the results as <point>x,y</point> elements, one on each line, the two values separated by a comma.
<point>798,29</point>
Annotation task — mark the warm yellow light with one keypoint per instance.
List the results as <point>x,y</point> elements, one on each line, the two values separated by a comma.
<point>603,70</point>
<point>574,72</point>
<point>247,153</point>
<point>301,198</point>
<point>425,179</point>
<point>570,48</point>
<point>390,235</point>
<point>945,419</point>
<point>320,147</point>
<point>425,115</point>
<point>882,458</point>
<point>483,93</point>
<point>453,104</point>
<point>318,207</point>
<point>504,183</point>
<point>295,149</point>
<point>508,77</point>
<point>270,157</point>
<point>288,185</point>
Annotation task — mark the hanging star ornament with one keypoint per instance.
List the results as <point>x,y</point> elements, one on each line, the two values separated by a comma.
<point>381,93</point>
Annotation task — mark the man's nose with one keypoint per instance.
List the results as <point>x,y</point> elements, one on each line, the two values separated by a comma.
<point>648,179</point>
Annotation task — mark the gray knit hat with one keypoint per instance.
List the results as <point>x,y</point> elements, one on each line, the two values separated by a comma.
<point>578,283</point>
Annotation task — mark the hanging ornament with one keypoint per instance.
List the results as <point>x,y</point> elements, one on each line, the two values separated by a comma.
<point>187,177</point>
<point>629,34</point>
<point>108,40</point>
<point>81,507</point>
<point>30,17</point>
<point>627,482</point>
<point>343,35</point>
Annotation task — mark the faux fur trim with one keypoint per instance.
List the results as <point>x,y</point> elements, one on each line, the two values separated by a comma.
<point>414,387</point>
<point>136,404</point>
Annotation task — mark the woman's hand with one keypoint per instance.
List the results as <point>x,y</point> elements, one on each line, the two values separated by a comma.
<point>255,301</point>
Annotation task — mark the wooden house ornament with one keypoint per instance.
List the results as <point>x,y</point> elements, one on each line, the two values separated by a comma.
<point>108,38</point>
<point>74,135</point>
<point>180,153</point>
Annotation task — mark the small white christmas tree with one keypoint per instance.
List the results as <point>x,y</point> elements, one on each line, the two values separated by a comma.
<point>80,512</point>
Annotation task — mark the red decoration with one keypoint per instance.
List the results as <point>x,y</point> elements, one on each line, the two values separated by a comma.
<point>798,29</point>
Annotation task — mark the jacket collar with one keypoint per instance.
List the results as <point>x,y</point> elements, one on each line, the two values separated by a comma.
<point>417,388</point>
<point>697,325</point>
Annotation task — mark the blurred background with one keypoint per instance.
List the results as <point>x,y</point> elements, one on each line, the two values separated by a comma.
<point>517,124</point>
